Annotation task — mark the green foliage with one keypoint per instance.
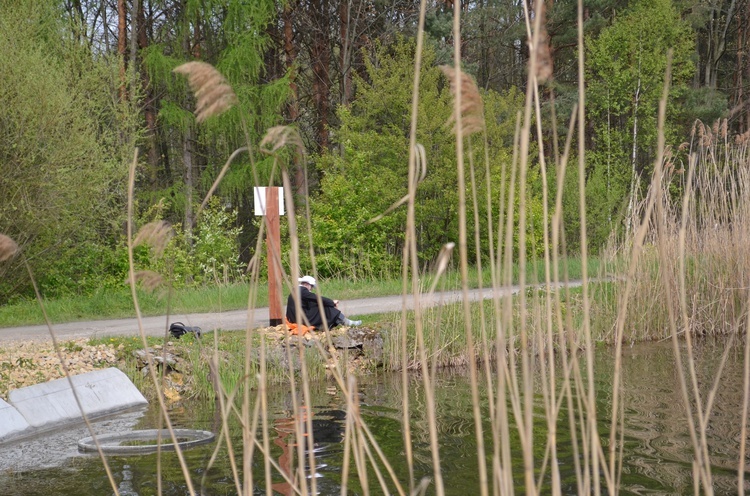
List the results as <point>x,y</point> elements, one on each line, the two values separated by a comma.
<point>235,39</point>
<point>370,173</point>
<point>71,346</point>
<point>215,248</point>
<point>25,363</point>
<point>210,255</point>
<point>61,148</point>
<point>626,67</point>
<point>605,206</point>
<point>627,64</point>
<point>704,104</point>
<point>159,65</point>
<point>500,119</point>
<point>341,229</point>
<point>86,268</point>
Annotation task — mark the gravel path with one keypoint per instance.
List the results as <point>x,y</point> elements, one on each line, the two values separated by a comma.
<point>233,320</point>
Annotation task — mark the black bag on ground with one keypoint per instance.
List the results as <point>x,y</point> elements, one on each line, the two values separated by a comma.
<point>178,329</point>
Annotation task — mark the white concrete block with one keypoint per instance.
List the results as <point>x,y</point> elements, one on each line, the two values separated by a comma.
<point>12,422</point>
<point>100,392</point>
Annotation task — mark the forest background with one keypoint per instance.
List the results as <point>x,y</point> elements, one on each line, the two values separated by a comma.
<point>83,83</point>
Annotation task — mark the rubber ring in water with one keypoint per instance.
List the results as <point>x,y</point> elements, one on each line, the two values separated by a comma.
<point>119,443</point>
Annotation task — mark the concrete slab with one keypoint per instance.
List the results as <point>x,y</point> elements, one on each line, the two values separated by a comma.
<point>58,448</point>
<point>100,392</point>
<point>12,422</point>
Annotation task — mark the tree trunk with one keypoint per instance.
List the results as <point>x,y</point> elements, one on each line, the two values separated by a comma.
<point>483,71</point>
<point>76,13</point>
<point>122,43</point>
<point>133,60</point>
<point>717,40</point>
<point>105,24</point>
<point>743,69</point>
<point>320,55</point>
<point>345,51</point>
<point>188,154</point>
<point>149,104</point>
<point>188,140</point>
<point>290,57</point>
<point>548,38</point>
<point>197,51</point>
<point>633,170</point>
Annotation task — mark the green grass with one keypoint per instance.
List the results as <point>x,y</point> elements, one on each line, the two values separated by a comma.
<point>109,304</point>
<point>196,355</point>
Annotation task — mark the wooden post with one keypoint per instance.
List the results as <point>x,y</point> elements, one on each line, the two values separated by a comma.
<point>273,254</point>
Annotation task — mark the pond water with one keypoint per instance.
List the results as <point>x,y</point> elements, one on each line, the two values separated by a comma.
<point>656,459</point>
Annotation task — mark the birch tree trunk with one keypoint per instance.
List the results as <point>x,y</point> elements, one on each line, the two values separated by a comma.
<point>633,172</point>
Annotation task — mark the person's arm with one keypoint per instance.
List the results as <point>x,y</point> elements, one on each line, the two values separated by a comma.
<point>327,302</point>
<point>310,296</point>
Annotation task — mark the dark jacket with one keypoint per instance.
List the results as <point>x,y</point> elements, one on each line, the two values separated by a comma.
<point>309,304</point>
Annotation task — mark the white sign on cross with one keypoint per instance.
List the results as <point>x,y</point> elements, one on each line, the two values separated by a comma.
<point>259,200</point>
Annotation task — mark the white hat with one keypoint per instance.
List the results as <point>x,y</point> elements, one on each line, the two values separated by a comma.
<point>308,279</point>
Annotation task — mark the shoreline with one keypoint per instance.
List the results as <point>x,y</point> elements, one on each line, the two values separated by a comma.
<point>29,362</point>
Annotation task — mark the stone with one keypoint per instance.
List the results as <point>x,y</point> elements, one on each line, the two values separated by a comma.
<point>372,346</point>
<point>355,337</point>
<point>157,357</point>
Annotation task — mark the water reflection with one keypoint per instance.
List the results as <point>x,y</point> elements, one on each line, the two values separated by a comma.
<point>657,456</point>
<point>327,428</point>
<point>658,447</point>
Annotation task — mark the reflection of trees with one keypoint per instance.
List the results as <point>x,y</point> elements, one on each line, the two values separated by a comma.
<point>657,439</point>
<point>658,452</point>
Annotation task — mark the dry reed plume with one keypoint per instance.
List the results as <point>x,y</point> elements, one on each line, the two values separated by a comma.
<point>8,248</point>
<point>149,279</point>
<point>156,234</point>
<point>212,92</point>
<point>472,108</point>
<point>278,137</point>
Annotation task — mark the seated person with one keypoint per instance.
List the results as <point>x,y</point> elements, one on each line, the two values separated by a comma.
<point>309,303</point>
